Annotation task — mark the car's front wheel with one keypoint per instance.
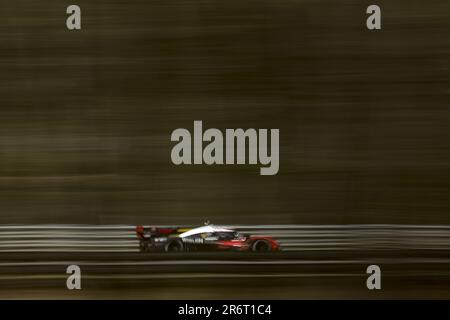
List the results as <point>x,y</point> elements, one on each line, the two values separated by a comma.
<point>261,246</point>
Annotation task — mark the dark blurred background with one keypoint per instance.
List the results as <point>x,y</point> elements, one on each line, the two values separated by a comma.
<point>86,116</point>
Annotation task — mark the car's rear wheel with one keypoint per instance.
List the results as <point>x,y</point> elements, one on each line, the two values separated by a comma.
<point>261,246</point>
<point>143,246</point>
<point>174,246</point>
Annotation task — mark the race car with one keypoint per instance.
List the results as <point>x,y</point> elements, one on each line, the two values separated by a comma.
<point>204,238</point>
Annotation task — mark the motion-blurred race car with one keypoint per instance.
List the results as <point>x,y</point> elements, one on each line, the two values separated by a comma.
<point>204,238</point>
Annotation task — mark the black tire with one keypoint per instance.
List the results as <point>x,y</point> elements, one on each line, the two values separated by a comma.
<point>143,246</point>
<point>261,246</point>
<point>174,246</point>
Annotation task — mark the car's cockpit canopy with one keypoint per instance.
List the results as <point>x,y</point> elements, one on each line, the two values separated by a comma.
<point>213,233</point>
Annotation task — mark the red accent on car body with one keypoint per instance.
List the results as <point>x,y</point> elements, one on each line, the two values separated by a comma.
<point>241,245</point>
<point>244,244</point>
<point>165,231</point>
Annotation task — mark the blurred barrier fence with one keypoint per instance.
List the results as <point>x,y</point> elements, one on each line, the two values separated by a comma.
<point>122,238</point>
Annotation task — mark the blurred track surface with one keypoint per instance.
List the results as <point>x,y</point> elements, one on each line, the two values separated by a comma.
<point>122,238</point>
<point>316,262</point>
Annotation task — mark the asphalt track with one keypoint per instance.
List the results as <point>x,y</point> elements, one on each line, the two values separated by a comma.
<point>420,268</point>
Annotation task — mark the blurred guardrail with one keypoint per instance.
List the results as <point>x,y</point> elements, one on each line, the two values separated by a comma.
<point>122,238</point>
